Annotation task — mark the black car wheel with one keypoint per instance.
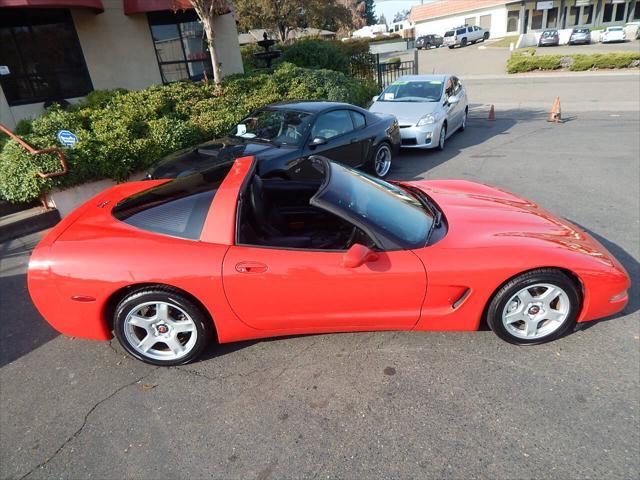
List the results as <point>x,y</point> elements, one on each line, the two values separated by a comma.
<point>161,327</point>
<point>443,137</point>
<point>486,36</point>
<point>463,125</point>
<point>534,307</point>
<point>428,46</point>
<point>463,43</point>
<point>382,160</point>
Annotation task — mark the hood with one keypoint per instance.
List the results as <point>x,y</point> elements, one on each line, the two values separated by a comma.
<point>407,113</point>
<point>213,152</point>
<point>483,216</point>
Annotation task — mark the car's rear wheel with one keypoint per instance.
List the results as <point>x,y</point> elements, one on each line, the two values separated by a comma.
<point>534,307</point>
<point>428,46</point>
<point>382,160</point>
<point>452,46</point>
<point>485,36</point>
<point>161,327</point>
<point>463,43</point>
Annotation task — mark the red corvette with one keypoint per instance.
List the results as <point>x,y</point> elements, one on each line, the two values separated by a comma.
<point>168,266</point>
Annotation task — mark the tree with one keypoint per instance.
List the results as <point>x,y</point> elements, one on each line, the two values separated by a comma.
<point>382,20</point>
<point>207,11</point>
<point>283,16</point>
<point>401,15</point>
<point>369,12</point>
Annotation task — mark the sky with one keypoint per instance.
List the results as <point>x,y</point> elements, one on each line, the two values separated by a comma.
<point>390,7</point>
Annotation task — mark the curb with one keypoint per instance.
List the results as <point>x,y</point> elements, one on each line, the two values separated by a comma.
<point>26,222</point>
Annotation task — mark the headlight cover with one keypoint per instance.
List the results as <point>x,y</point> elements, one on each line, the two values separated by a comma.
<point>426,120</point>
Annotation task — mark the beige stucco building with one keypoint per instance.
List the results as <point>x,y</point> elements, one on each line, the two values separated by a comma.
<point>54,50</point>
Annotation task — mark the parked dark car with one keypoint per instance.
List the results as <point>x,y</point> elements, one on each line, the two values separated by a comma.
<point>580,35</point>
<point>283,136</point>
<point>549,38</point>
<point>429,41</point>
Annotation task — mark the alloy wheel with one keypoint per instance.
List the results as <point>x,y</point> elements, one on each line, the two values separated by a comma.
<point>160,330</point>
<point>536,311</point>
<point>383,160</point>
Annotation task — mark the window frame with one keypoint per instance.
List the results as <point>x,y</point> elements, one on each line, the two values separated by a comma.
<point>353,114</point>
<point>185,61</point>
<point>88,88</point>
<point>353,127</point>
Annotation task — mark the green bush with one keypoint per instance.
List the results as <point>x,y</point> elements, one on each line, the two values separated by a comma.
<point>604,60</point>
<point>527,60</point>
<point>122,132</point>
<point>311,53</point>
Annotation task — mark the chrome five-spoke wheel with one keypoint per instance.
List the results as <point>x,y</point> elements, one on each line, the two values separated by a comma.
<point>536,311</point>
<point>382,160</point>
<point>160,330</point>
<point>161,326</point>
<point>535,307</point>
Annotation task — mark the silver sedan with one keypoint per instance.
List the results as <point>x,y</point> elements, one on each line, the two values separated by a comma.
<point>429,108</point>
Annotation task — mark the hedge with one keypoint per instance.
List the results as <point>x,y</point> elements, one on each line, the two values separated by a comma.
<point>124,132</point>
<point>527,60</point>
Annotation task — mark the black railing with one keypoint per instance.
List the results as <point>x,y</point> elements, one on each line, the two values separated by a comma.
<point>367,66</point>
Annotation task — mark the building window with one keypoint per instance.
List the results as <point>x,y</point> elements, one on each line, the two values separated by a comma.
<point>552,17</point>
<point>40,48</point>
<point>536,19</point>
<point>587,14</point>
<point>512,20</point>
<point>181,46</point>
<point>608,13</point>
<point>620,8</point>
<point>470,21</point>
<point>636,12</point>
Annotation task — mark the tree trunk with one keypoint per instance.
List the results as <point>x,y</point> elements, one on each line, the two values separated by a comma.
<point>208,30</point>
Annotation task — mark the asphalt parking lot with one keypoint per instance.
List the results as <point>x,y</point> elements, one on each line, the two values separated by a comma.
<point>365,405</point>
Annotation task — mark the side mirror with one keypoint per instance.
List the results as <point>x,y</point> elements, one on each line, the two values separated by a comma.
<point>358,255</point>
<point>317,141</point>
<point>375,98</point>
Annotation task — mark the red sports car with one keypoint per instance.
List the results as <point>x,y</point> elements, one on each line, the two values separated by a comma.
<point>222,254</point>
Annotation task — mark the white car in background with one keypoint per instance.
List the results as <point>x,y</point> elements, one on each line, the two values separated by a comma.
<point>612,34</point>
<point>429,108</point>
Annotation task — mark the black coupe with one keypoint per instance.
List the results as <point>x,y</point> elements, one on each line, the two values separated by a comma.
<point>283,136</point>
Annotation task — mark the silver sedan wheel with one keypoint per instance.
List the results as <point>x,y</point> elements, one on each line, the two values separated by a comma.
<point>383,160</point>
<point>443,137</point>
<point>160,330</point>
<point>536,311</point>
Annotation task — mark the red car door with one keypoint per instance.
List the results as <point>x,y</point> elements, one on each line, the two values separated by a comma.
<point>298,290</point>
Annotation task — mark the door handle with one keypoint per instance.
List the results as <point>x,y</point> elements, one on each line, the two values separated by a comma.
<point>354,140</point>
<point>251,267</point>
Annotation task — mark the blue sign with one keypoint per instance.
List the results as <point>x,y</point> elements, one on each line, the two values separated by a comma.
<point>66,138</point>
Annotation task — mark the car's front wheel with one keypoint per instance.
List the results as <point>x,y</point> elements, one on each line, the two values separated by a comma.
<point>382,160</point>
<point>162,327</point>
<point>534,307</point>
<point>443,136</point>
<point>463,124</point>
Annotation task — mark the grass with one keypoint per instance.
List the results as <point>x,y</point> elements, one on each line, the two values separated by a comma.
<point>503,42</point>
<point>528,61</point>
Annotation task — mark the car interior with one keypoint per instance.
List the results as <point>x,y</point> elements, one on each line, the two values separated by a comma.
<point>277,213</point>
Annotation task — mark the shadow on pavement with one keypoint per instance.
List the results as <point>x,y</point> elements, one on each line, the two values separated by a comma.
<point>413,164</point>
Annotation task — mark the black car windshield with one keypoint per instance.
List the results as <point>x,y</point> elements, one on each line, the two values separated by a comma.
<point>277,126</point>
<point>381,207</point>
<point>412,91</point>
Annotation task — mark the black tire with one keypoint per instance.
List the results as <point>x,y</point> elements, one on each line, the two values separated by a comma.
<point>463,125</point>
<point>385,171</point>
<point>553,277</point>
<point>485,36</point>
<point>443,133</point>
<point>463,42</point>
<point>204,330</point>
<point>428,46</point>
<point>452,47</point>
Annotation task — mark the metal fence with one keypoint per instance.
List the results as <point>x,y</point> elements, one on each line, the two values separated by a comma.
<point>367,66</point>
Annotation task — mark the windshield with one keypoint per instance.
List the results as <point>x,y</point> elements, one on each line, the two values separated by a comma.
<point>549,33</point>
<point>581,30</point>
<point>280,127</point>
<point>412,91</point>
<point>615,29</point>
<point>383,208</point>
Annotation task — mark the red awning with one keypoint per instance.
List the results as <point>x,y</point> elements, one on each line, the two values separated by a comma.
<point>142,6</point>
<point>93,4</point>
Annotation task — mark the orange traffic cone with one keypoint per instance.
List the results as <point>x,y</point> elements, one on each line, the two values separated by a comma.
<point>555,115</point>
<point>492,113</point>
